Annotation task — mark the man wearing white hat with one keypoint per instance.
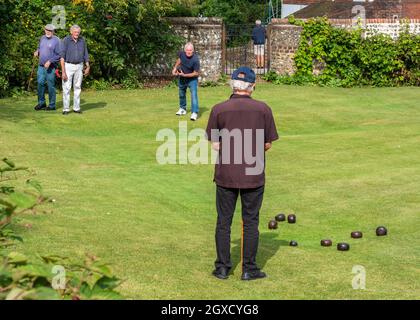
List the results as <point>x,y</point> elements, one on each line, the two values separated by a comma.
<point>49,55</point>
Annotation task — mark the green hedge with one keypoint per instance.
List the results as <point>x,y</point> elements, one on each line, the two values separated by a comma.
<point>122,35</point>
<point>345,58</point>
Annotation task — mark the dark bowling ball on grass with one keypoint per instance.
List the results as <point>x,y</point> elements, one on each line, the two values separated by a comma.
<point>280,217</point>
<point>293,243</point>
<point>326,243</point>
<point>356,234</point>
<point>343,247</point>
<point>291,218</point>
<point>381,231</point>
<point>272,224</point>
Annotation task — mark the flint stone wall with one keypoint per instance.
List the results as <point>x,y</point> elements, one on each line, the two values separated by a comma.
<point>207,36</point>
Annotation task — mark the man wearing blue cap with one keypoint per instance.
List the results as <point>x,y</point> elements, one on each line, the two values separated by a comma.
<point>241,129</point>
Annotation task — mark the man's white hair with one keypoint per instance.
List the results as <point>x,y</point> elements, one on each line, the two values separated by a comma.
<point>189,45</point>
<point>239,85</point>
<point>258,22</point>
<point>75,27</point>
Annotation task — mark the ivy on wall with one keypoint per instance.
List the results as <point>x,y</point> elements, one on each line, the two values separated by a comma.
<point>333,56</point>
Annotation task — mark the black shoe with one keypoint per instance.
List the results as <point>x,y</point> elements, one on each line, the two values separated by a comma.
<point>65,113</point>
<point>40,107</point>
<point>221,273</point>
<point>253,275</point>
<point>78,111</point>
<point>50,109</point>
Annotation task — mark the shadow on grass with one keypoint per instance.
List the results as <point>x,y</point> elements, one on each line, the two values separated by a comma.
<point>268,246</point>
<point>90,106</point>
<point>15,112</point>
<point>203,110</point>
<point>84,106</point>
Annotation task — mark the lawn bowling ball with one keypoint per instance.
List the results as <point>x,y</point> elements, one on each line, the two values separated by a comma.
<point>293,243</point>
<point>280,217</point>
<point>326,243</point>
<point>272,224</point>
<point>291,218</point>
<point>343,247</point>
<point>356,234</point>
<point>381,231</point>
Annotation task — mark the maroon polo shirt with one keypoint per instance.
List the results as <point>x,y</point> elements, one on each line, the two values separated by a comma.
<point>242,125</point>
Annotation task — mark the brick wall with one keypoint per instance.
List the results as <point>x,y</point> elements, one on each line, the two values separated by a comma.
<point>411,8</point>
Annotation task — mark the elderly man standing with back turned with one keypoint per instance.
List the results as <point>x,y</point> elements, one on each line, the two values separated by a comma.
<point>73,54</point>
<point>258,36</point>
<point>49,55</point>
<point>241,130</point>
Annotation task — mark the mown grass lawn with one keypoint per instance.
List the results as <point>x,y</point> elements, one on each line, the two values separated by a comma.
<point>348,159</point>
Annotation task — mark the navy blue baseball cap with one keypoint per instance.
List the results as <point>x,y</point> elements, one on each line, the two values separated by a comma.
<point>244,74</point>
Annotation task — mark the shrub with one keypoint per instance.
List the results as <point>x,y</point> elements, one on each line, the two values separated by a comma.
<point>222,81</point>
<point>333,56</point>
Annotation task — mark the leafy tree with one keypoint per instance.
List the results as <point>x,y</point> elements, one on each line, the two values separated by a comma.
<point>232,11</point>
<point>123,36</point>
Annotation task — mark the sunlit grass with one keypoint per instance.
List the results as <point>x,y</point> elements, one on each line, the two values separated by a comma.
<point>347,159</point>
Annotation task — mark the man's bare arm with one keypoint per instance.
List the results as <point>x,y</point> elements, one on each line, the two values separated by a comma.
<point>189,75</point>
<point>177,64</point>
<point>63,69</point>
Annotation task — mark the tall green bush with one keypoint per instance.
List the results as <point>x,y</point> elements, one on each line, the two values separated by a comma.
<point>122,36</point>
<point>232,11</point>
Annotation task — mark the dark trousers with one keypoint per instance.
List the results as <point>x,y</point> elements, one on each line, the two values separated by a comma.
<point>46,77</point>
<point>251,200</point>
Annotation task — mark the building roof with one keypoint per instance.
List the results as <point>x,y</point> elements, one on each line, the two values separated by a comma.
<point>343,9</point>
